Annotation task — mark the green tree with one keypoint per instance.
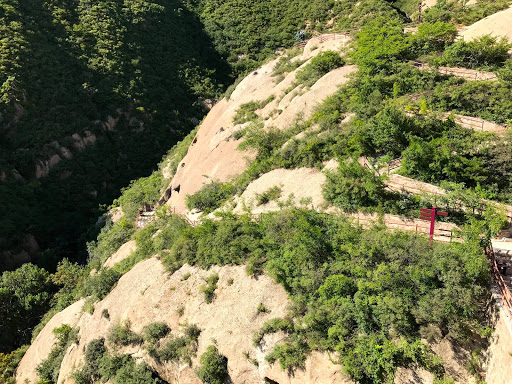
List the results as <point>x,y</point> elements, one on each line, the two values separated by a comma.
<point>380,44</point>
<point>25,296</point>
<point>214,366</point>
<point>352,187</point>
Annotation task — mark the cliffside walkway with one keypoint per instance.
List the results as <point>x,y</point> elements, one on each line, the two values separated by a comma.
<point>443,232</point>
<point>322,38</point>
<point>499,254</point>
<point>500,257</point>
<point>470,122</point>
<point>463,73</point>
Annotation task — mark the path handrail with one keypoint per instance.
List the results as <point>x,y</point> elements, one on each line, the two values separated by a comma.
<point>504,291</point>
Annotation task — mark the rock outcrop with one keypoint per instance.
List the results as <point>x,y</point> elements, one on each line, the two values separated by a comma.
<point>213,154</point>
<point>147,294</point>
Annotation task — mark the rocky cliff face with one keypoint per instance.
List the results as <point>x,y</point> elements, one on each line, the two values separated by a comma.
<point>213,156</point>
<point>149,294</point>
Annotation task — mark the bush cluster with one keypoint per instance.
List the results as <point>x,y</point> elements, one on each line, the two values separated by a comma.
<point>214,366</point>
<point>210,197</point>
<point>320,65</point>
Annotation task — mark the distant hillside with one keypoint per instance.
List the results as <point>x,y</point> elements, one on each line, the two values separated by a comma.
<point>92,95</point>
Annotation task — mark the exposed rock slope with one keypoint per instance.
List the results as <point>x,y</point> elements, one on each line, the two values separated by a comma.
<point>214,155</point>
<point>148,294</point>
<point>498,24</point>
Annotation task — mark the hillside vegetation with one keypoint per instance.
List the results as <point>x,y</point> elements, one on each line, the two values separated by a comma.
<point>68,67</point>
<point>373,298</point>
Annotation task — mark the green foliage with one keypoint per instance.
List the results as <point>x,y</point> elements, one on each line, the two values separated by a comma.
<point>285,64</point>
<point>100,284</point>
<point>452,157</point>
<point>262,309</point>
<point>70,68</point>
<point>247,32</point>
<point>505,73</point>
<point>486,52</point>
<point>353,186</point>
<point>144,191</point>
<point>48,370</point>
<point>433,37</point>
<point>383,286</point>
<point>155,331</point>
<point>177,349</point>
<point>380,44</point>
<point>122,335</point>
<point>100,365</point>
<point>111,237</point>
<point>8,364</point>
<point>291,354</point>
<point>320,65</point>
<point>355,15</point>
<point>25,296</point>
<point>486,99</point>
<point>209,290</point>
<point>210,197</point>
<point>214,366</point>
<point>272,326</point>
<point>246,112</point>
<point>454,11</point>
<point>270,194</point>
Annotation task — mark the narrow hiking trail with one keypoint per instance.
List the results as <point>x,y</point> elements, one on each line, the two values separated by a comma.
<point>463,73</point>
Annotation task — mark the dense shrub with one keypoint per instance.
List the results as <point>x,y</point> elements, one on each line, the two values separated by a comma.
<point>382,286</point>
<point>505,73</point>
<point>445,10</point>
<point>351,187</point>
<point>177,349</point>
<point>25,296</point>
<point>214,366</point>
<point>486,52</point>
<point>111,237</point>
<point>320,65</point>
<point>101,284</point>
<point>210,197</point>
<point>122,335</point>
<point>100,365</point>
<point>380,44</point>
<point>433,37</point>
<point>155,331</point>
<point>8,364</point>
<point>290,354</point>
<point>486,99</point>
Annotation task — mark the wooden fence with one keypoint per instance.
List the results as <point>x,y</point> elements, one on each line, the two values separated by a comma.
<point>464,73</point>
<point>325,37</point>
<point>443,231</point>
<point>501,285</point>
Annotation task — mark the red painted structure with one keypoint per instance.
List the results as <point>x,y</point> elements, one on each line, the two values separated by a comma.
<point>430,215</point>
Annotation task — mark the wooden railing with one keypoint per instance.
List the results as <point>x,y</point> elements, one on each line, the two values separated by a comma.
<point>464,73</point>
<point>324,37</point>
<point>443,231</point>
<point>501,285</point>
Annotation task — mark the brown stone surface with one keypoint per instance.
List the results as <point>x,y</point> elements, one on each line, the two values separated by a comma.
<point>122,253</point>
<point>213,156</point>
<point>44,342</point>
